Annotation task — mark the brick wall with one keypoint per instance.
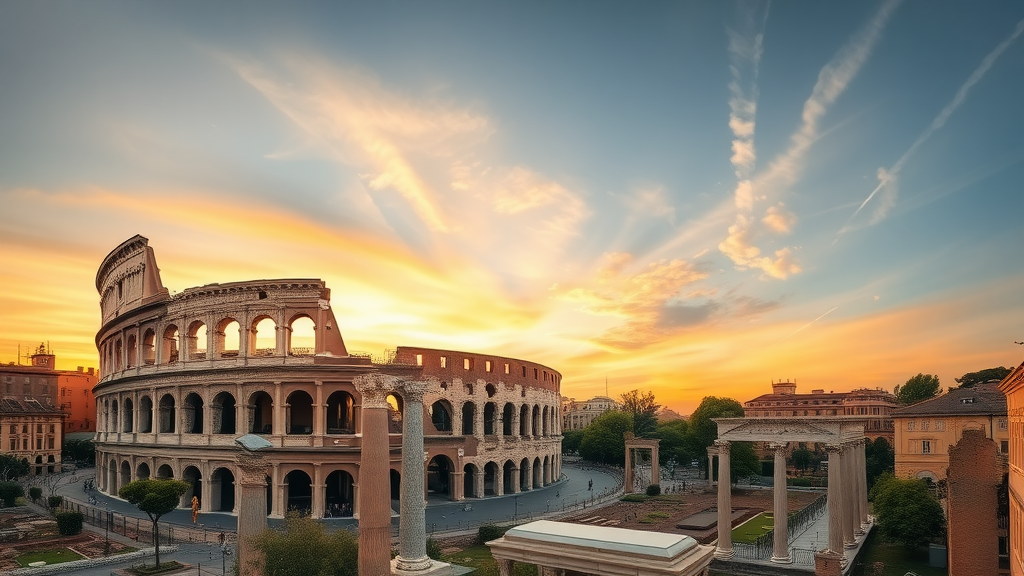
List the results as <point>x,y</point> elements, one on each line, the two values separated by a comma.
<point>973,477</point>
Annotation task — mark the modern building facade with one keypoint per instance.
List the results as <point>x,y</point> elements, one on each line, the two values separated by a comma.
<point>873,406</point>
<point>1013,388</point>
<point>578,415</point>
<point>925,431</point>
<point>182,376</point>
<point>31,425</point>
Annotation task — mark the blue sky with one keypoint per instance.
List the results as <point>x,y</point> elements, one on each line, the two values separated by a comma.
<point>691,198</point>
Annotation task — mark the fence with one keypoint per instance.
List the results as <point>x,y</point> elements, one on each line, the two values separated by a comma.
<point>141,530</point>
<point>796,524</point>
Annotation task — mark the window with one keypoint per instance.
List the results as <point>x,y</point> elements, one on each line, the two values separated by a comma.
<point>14,444</point>
<point>39,443</point>
<point>39,428</point>
<point>1004,446</point>
<point>1002,423</point>
<point>940,425</point>
<point>926,446</point>
<point>419,359</point>
<point>51,428</point>
<point>444,361</point>
<point>51,443</point>
<point>924,424</point>
<point>467,364</point>
<point>14,429</point>
<point>535,373</point>
<point>487,365</point>
<point>506,367</point>
<point>911,425</point>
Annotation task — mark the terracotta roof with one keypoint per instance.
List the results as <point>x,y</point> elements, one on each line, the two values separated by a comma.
<point>27,406</point>
<point>981,399</point>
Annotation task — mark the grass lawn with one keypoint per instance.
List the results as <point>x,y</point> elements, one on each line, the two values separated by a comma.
<point>751,529</point>
<point>479,557</point>
<point>55,556</point>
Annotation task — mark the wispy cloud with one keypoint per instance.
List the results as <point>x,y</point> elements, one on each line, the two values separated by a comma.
<point>741,243</point>
<point>888,178</point>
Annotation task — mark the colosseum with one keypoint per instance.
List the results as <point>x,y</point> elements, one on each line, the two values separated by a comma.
<point>184,375</point>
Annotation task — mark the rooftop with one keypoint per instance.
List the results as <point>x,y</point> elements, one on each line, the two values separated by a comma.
<point>980,399</point>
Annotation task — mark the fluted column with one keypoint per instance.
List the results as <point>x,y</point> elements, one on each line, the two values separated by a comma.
<point>724,549</point>
<point>712,450</point>
<point>862,475</point>
<point>780,509</point>
<point>849,498</point>
<point>835,499</point>
<point>252,509</point>
<point>375,501</point>
<point>629,471</point>
<point>412,548</point>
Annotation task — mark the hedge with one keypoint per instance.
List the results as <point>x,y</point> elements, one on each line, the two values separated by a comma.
<point>69,523</point>
<point>490,532</point>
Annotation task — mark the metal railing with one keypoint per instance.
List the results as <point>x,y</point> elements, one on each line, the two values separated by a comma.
<point>141,530</point>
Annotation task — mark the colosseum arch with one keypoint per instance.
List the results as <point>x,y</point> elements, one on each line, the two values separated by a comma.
<point>149,347</point>
<point>507,417</point>
<point>509,476</point>
<point>222,412</point>
<point>142,471</point>
<point>132,351</point>
<point>229,337</point>
<point>260,408</point>
<point>165,471</point>
<point>525,474</point>
<point>340,413</point>
<point>470,472</point>
<point>468,418</point>
<point>192,414</point>
<point>490,415</point>
<point>441,415</point>
<point>196,340</point>
<point>299,413</point>
<point>128,410</point>
<point>170,351</point>
<point>301,335</point>
<point>545,416</point>
<point>339,496</point>
<point>524,421</point>
<point>439,476</point>
<point>167,414</point>
<point>263,337</point>
<point>222,490</point>
<point>536,420</point>
<point>194,477</point>
<point>126,473</point>
<point>145,414</point>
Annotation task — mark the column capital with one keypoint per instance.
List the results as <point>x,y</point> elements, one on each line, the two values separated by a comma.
<point>252,468</point>
<point>778,447</point>
<point>833,448</point>
<point>375,387</point>
<point>722,445</point>
<point>412,391</point>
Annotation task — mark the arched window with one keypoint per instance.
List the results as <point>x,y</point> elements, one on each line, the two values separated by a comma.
<point>229,333</point>
<point>299,413</point>
<point>192,414</point>
<point>507,415</point>
<point>132,350</point>
<point>440,416</point>
<point>261,413</point>
<point>340,413</point>
<point>196,341</point>
<point>129,415</point>
<point>169,352</point>
<point>167,414</point>
<point>263,337</point>
<point>145,414</point>
<point>223,413</point>
<point>468,418</point>
<point>490,415</point>
<point>302,336</point>
<point>149,346</point>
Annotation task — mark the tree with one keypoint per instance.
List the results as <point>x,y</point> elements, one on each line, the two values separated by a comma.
<point>11,491</point>
<point>981,376</point>
<point>604,440</point>
<point>155,498</point>
<point>743,461</point>
<point>643,409</point>
<point>571,441</point>
<point>907,511</point>
<point>81,452</point>
<point>802,458</point>
<point>918,388</point>
<point>879,458</point>
<point>301,547</point>
<point>702,430</point>
<point>11,468</point>
<point>673,445</point>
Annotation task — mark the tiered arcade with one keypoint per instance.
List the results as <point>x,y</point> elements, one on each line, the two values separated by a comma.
<point>183,375</point>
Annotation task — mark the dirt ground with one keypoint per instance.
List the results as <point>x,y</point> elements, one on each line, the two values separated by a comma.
<point>39,532</point>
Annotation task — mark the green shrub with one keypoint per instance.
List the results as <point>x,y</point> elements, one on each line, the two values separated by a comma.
<point>10,492</point>
<point>654,490</point>
<point>433,549</point>
<point>489,532</point>
<point>35,493</point>
<point>69,523</point>
<point>54,501</point>
<point>799,482</point>
<point>634,498</point>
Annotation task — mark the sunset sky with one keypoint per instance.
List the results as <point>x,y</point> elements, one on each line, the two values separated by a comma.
<point>692,198</point>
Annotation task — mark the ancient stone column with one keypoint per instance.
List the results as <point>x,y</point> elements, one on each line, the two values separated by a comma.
<point>849,498</point>
<point>724,549</point>
<point>862,475</point>
<point>835,499</point>
<point>711,463</point>
<point>251,501</point>
<point>780,551</point>
<point>374,493</point>
<point>412,548</point>
<point>629,471</point>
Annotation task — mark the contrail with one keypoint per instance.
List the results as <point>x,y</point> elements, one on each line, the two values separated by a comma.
<point>892,173</point>
<point>834,308</point>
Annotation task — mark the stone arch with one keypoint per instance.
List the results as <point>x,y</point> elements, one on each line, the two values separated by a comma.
<point>468,418</point>
<point>126,473</point>
<point>441,415</point>
<point>222,490</point>
<point>396,411</point>
<point>192,414</point>
<point>261,413</point>
<point>111,477</point>
<point>340,495</point>
<point>167,414</point>
<point>115,420</point>
<point>164,471</point>
<point>301,335</point>
<point>148,346</point>
<point>490,389</point>
<point>229,337</point>
<point>545,415</point>
<point>469,476</point>
<point>145,414</point>
<point>299,412</point>
<point>118,354</point>
<point>508,472</point>
<point>507,417</point>
<point>536,420</point>
<point>170,351</point>
<point>490,415</point>
<point>341,413</point>
<point>194,477</point>
<point>526,475</point>
<point>492,477</point>
<point>395,479</point>
<point>524,421</point>
<point>142,471</point>
<point>222,410</point>
<point>128,411</point>
<point>263,336</point>
<point>131,351</point>
<point>439,476</point>
<point>540,472</point>
<point>196,339</point>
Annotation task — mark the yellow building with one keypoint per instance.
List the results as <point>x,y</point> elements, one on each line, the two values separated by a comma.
<point>925,431</point>
<point>579,415</point>
<point>1013,387</point>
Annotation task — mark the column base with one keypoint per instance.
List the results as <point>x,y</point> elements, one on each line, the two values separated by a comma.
<point>828,563</point>
<point>787,559</point>
<point>429,568</point>
<point>723,554</point>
